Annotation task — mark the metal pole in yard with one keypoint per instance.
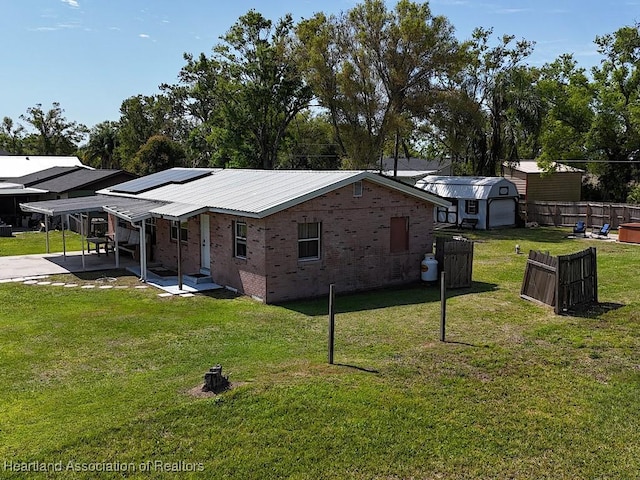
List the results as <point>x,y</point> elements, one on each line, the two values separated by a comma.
<point>443,306</point>
<point>332,296</point>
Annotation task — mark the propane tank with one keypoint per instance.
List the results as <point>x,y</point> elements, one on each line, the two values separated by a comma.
<point>429,268</point>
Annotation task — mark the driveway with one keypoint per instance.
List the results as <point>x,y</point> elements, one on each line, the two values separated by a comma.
<point>22,266</point>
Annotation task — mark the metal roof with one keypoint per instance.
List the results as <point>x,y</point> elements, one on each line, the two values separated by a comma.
<point>480,188</point>
<point>12,166</point>
<point>531,166</point>
<point>76,179</point>
<point>97,203</point>
<point>259,193</point>
<point>43,175</point>
<point>18,190</point>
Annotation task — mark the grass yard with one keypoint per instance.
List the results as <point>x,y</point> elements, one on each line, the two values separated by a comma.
<point>104,379</point>
<point>27,243</point>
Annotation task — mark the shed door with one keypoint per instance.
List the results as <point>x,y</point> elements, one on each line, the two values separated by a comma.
<point>502,212</point>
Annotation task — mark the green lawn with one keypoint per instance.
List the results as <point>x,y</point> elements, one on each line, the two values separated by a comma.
<point>103,378</point>
<point>27,243</point>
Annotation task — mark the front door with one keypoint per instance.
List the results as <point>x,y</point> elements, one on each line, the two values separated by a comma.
<point>205,244</point>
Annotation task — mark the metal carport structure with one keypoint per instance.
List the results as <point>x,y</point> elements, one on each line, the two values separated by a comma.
<point>136,211</point>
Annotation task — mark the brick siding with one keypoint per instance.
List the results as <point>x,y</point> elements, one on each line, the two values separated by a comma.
<point>354,253</point>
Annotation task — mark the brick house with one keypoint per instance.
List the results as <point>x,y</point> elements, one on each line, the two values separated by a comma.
<point>280,235</point>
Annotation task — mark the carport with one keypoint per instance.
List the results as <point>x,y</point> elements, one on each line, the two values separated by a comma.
<point>133,210</point>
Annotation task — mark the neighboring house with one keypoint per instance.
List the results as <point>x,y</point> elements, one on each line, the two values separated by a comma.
<point>480,202</point>
<point>13,166</point>
<point>53,183</point>
<point>274,235</point>
<point>562,185</point>
<point>410,170</point>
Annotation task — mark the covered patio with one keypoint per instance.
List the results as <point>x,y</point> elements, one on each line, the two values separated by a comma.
<point>132,210</point>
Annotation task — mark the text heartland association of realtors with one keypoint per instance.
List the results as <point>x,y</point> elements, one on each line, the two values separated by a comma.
<point>71,466</point>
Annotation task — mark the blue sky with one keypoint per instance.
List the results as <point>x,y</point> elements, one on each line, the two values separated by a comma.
<point>90,55</point>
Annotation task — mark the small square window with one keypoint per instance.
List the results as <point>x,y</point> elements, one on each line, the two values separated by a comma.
<point>357,189</point>
<point>183,231</point>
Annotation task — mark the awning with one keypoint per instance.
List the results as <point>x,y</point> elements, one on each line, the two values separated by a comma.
<point>178,211</point>
<point>130,208</point>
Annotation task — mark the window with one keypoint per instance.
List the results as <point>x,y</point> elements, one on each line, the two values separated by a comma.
<point>399,234</point>
<point>240,240</point>
<point>183,231</point>
<point>503,191</point>
<point>357,189</point>
<point>309,241</point>
<point>471,207</point>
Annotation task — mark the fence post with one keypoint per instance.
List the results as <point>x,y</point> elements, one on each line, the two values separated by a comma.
<point>331,321</point>
<point>443,305</point>
<point>561,265</point>
<point>594,266</point>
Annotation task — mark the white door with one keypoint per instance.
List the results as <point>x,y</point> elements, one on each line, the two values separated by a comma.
<point>502,212</point>
<point>205,244</point>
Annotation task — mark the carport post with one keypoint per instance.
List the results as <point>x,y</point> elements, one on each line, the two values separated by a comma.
<point>143,250</point>
<point>46,230</point>
<point>179,237</point>
<point>82,239</point>
<point>116,250</point>
<point>64,239</point>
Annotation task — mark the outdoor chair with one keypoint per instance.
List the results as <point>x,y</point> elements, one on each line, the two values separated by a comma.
<point>602,232</point>
<point>580,229</point>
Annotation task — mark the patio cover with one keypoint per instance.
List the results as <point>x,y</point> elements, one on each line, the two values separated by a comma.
<point>128,208</point>
<point>133,210</point>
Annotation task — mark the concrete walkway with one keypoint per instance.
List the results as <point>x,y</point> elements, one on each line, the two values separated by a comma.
<point>26,266</point>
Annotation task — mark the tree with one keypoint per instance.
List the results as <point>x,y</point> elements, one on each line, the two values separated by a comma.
<point>142,117</point>
<point>310,144</point>
<point>614,135</point>
<point>157,154</point>
<point>55,135</point>
<point>241,100</point>
<point>11,136</point>
<point>505,109</point>
<point>569,97</point>
<point>100,150</point>
<point>375,71</point>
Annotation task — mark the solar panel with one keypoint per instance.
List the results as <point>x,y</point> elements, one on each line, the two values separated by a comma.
<point>160,179</point>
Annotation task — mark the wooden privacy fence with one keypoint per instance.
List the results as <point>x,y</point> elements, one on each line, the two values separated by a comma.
<point>567,214</point>
<point>564,282</point>
<point>455,258</point>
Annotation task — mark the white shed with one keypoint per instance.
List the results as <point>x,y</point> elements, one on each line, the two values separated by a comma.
<point>481,202</point>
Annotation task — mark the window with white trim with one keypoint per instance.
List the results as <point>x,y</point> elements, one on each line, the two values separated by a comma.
<point>309,241</point>
<point>471,207</point>
<point>183,231</point>
<point>240,240</point>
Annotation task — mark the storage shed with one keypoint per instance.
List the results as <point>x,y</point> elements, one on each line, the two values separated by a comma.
<point>480,202</point>
<point>563,184</point>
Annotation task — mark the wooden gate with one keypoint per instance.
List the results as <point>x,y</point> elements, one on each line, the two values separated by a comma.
<point>563,282</point>
<point>455,258</point>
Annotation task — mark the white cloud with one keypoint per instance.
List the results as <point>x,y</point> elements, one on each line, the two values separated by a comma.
<point>143,35</point>
<point>71,3</point>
